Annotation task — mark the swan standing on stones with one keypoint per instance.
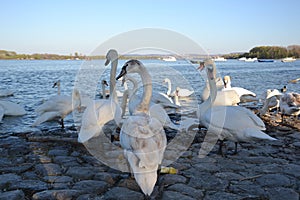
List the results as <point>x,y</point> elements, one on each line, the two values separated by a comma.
<point>99,112</point>
<point>142,137</point>
<point>180,92</point>
<point>58,106</point>
<point>289,104</point>
<point>271,100</point>
<point>244,94</point>
<point>234,123</point>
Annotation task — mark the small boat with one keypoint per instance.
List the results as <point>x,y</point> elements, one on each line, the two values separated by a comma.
<point>288,59</point>
<point>219,59</point>
<point>250,59</point>
<point>265,60</point>
<point>169,59</point>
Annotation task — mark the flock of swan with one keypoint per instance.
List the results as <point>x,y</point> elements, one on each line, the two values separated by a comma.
<point>142,134</point>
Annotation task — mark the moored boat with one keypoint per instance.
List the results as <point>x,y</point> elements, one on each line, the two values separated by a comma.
<point>219,59</point>
<point>266,60</point>
<point>288,59</point>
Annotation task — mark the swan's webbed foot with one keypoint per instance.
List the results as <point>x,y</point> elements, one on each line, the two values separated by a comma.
<point>147,197</point>
<point>62,123</point>
<point>220,151</point>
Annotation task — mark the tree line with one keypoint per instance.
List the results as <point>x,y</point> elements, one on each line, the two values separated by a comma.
<point>269,52</point>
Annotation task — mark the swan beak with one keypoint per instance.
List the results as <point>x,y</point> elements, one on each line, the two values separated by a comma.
<point>54,85</point>
<point>106,62</point>
<point>105,83</point>
<point>122,73</point>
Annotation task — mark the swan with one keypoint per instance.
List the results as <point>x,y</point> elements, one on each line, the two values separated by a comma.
<point>244,94</point>
<point>271,100</point>
<point>223,98</point>
<point>289,104</point>
<point>180,92</point>
<point>233,123</point>
<point>105,93</point>
<point>142,137</point>
<point>6,93</point>
<point>12,109</point>
<point>58,106</point>
<point>57,84</point>
<point>99,112</point>
<point>156,110</point>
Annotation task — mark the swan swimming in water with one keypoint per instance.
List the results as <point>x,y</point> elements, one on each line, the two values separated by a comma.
<point>180,92</point>
<point>6,93</point>
<point>142,137</point>
<point>233,123</point>
<point>99,112</point>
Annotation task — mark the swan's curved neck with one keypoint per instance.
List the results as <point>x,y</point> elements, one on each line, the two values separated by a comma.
<point>58,89</point>
<point>212,92</point>
<point>112,89</point>
<point>143,106</point>
<point>169,86</point>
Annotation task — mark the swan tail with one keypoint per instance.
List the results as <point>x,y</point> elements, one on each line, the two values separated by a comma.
<point>254,133</point>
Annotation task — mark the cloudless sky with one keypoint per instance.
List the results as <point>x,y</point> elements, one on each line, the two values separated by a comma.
<point>219,26</point>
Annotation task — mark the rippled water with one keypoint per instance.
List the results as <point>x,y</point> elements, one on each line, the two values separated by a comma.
<point>32,81</point>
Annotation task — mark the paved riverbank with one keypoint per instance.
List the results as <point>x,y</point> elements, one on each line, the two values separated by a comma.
<point>41,166</point>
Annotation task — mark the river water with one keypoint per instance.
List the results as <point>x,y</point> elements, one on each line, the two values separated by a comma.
<point>32,80</point>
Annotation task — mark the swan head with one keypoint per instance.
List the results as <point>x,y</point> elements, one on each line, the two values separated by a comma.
<point>111,55</point>
<point>131,66</point>
<point>56,84</point>
<point>104,82</point>
<point>210,67</point>
<point>226,81</point>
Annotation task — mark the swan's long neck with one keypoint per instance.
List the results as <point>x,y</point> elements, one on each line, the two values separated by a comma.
<point>58,89</point>
<point>103,90</point>
<point>143,106</point>
<point>112,89</point>
<point>212,93</point>
<point>169,86</point>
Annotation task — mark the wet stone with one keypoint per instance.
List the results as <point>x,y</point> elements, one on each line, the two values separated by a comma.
<point>12,195</point>
<point>208,182</point>
<point>48,169</point>
<point>240,187</point>
<point>56,195</point>
<point>221,196</point>
<point>17,169</point>
<point>107,177</point>
<point>32,185</point>
<point>67,161</point>
<point>186,190</point>
<point>130,184</point>
<point>81,172</point>
<point>58,179</point>
<point>58,152</point>
<point>175,196</point>
<point>170,179</point>
<point>273,180</point>
<point>282,193</point>
<point>8,179</point>
<point>44,159</point>
<point>123,193</point>
<point>91,186</point>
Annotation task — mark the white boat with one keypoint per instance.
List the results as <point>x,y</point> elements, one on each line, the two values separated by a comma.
<point>288,59</point>
<point>219,59</point>
<point>251,60</point>
<point>242,59</point>
<point>169,59</point>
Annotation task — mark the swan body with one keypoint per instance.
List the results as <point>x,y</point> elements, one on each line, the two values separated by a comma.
<point>156,110</point>
<point>12,109</point>
<point>289,104</point>
<point>99,112</point>
<point>58,106</point>
<point>5,93</point>
<point>234,123</point>
<point>181,92</point>
<point>271,100</point>
<point>244,94</point>
<point>142,136</point>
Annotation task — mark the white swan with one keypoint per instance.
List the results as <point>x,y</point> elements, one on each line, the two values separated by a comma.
<point>142,137</point>
<point>234,123</point>
<point>5,93</point>
<point>12,109</point>
<point>244,94</point>
<point>156,110</point>
<point>180,92</point>
<point>289,104</point>
<point>99,112</point>
<point>223,98</point>
<point>57,107</point>
<point>271,100</point>
<point>57,84</point>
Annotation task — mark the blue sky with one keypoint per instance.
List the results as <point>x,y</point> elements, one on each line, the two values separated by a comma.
<point>219,26</point>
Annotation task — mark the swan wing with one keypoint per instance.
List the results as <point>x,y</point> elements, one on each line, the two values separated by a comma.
<point>185,93</point>
<point>242,91</point>
<point>55,103</point>
<point>47,116</point>
<point>158,112</point>
<point>233,118</point>
<point>11,108</point>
